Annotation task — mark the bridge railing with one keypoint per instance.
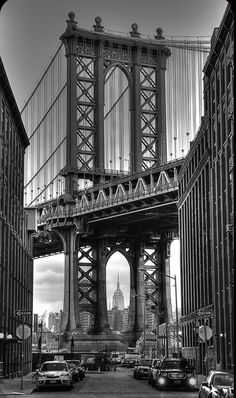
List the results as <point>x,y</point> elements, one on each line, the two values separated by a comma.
<point>90,203</point>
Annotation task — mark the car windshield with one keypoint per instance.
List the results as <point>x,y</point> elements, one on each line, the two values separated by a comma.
<point>90,360</point>
<point>223,380</point>
<point>175,365</point>
<point>145,362</point>
<point>47,367</point>
<point>76,363</point>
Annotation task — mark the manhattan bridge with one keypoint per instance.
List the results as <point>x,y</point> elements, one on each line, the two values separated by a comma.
<point>109,122</point>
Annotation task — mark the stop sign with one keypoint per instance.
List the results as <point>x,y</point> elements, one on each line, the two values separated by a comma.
<point>19,331</point>
<point>205,332</point>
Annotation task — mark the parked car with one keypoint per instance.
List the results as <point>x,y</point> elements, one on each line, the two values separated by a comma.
<point>152,372</point>
<point>217,384</point>
<point>115,357</point>
<point>129,360</point>
<point>141,368</point>
<point>175,373</point>
<point>90,363</point>
<point>54,374</point>
<point>77,369</point>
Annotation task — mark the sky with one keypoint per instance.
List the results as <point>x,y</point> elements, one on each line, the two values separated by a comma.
<point>29,35</point>
<point>30,29</point>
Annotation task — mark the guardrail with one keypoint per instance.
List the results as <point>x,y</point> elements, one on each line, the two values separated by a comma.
<point>54,210</point>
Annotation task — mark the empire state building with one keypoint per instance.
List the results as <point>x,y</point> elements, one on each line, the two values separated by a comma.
<point>118,297</point>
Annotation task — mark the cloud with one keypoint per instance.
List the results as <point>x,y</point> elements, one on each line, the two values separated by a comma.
<point>48,284</point>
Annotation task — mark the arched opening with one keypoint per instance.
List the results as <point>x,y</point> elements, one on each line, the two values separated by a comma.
<point>118,291</point>
<point>117,120</point>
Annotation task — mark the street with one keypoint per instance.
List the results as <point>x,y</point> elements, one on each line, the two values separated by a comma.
<point>113,385</point>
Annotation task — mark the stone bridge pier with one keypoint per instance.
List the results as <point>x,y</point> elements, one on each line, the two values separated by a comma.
<point>85,286</point>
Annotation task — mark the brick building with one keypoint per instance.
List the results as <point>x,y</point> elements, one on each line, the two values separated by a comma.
<point>16,263</point>
<point>206,186</point>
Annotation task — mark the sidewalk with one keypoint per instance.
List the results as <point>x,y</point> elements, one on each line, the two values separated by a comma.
<point>11,387</point>
<point>200,379</point>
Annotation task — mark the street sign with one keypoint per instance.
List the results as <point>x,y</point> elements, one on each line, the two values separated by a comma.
<point>204,313</point>
<point>19,331</point>
<point>23,312</point>
<point>205,332</point>
<point>58,357</point>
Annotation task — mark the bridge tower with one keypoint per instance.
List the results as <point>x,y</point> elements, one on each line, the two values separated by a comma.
<point>115,129</point>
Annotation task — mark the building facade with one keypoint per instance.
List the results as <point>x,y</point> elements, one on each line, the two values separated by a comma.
<point>117,316</point>
<point>16,263</point>
<point>206,186</point>
<point>118,297</point>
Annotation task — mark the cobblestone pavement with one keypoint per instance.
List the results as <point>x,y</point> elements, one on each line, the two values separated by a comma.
<point>119,384</point>
<point>122,384</point>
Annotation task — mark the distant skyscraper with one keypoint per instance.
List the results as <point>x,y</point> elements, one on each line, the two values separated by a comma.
<point>118,297</point>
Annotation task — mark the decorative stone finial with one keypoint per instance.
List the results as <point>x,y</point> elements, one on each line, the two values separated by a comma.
<point>71,24</point>
<point>71,16</point>
<point>134,32</point>
<point>159,34</point>
<point>98,27</point>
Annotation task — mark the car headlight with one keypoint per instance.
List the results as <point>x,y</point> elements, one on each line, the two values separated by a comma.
<point>161,380</point>
<point>41,375</point>
<point>192,381</point>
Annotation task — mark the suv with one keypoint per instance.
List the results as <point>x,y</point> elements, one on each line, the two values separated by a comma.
<point>153,371</point>
<point>175,373</point>
<point>54,374</point>
<point>141,368</point>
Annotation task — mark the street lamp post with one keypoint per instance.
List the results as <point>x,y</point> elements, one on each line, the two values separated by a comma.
<point>176,301</point>
<point>72,346</point>
<point>144,320</point>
